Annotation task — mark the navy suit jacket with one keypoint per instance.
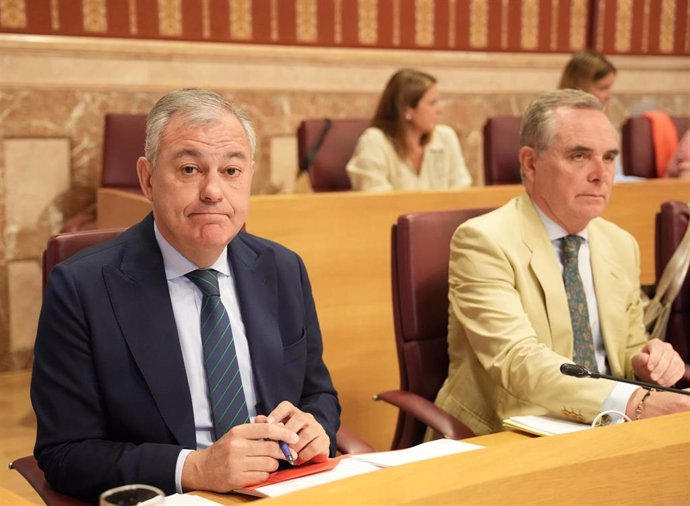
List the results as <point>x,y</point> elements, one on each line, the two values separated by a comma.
<point>109,385</point>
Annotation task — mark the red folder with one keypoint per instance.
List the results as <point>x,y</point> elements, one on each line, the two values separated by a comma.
<point>297,472</point>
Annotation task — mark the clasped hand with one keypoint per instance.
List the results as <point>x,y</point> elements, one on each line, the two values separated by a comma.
<point>659,363</point>
<point>247,453</point>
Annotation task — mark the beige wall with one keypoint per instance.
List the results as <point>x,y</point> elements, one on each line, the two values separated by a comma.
<point>54,92</point>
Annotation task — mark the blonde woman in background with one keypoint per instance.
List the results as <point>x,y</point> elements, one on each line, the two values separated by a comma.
<point>592,72</point>
<point>405,148</point>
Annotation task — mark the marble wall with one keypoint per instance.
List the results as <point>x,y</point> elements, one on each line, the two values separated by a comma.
<point>55,91</point>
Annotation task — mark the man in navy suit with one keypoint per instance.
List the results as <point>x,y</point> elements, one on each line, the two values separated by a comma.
<point>119,383</point>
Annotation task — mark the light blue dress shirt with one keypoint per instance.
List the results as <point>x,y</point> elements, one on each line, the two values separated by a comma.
<point>186,298</point>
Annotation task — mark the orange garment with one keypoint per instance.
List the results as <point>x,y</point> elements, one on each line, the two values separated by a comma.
<point>664,139</point>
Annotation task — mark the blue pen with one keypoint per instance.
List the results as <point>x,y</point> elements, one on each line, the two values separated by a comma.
<point>286,451</point>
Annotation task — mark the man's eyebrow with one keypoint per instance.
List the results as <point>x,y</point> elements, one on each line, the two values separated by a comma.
<point>579,148</point>
<point>585,149</point>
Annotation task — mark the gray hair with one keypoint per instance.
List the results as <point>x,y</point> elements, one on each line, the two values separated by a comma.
<point>537,130</point>
<point>199,107</point>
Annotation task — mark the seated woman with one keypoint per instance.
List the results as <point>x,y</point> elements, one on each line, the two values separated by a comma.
<point>405,148</point>
<point>592,72</point>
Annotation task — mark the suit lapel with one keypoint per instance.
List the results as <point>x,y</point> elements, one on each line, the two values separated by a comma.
<point>545,269</point>
<point>611,303</point>
<point>256,283</point>
<point>141,303</point>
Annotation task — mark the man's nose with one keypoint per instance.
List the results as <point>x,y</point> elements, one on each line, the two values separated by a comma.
<point>210,189</point>
<point>599,167</point>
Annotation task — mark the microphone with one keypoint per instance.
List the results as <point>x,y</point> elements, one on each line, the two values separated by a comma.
<point>579,371</point>
<point>575,370</point>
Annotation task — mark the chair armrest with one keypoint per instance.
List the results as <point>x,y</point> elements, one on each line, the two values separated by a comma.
<point>348,442</point>
<point>28,468</point>
<point>426,412</point>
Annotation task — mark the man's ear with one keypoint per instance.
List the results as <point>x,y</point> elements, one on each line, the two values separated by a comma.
<point>145,172</point>
<point>528,158</point>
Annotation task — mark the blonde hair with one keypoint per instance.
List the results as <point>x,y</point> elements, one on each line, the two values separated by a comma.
<point>584,69</point>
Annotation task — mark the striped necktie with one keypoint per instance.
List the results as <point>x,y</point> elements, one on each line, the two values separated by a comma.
<point>583,344</point>
<point>228,405</point>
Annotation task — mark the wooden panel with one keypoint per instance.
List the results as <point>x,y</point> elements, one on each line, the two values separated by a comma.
<point>17,435</point>
<point>344,239</point>
<point>508,25</point>
<point>9,497</point>
<point>488,441</point>
<point>597,466</point>
<point>652,27</point>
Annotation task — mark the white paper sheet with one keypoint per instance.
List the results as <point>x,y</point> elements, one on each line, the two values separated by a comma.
<point>365,463</point>
<point>429,450</point>
<point>544,425</point>
<point>346,467</point>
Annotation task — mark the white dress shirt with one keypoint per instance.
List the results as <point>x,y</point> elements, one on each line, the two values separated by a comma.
<point>621,393</point>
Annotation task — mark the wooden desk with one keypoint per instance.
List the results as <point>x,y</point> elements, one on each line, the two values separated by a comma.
<point>7,497</point>
<point>344,239</point>
<point>641,463</point>
<point>489,441</point>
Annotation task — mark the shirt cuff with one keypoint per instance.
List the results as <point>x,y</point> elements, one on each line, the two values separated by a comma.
<point>178,470</point>
<point>619,397</point>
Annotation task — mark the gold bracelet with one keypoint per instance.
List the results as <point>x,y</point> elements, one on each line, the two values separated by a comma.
<point>640,405</point>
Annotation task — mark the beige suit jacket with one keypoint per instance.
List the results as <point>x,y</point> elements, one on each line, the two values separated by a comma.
<point>509,327</point>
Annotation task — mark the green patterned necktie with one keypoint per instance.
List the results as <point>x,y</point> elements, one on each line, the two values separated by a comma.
<point>228,405</point>
<point>583,344</point>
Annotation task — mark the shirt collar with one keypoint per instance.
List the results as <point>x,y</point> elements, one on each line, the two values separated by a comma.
<point>554,230</point>
<point>176,264</point>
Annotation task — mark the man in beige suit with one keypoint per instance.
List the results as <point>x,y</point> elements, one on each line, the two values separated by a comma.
<point>510,322</point>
